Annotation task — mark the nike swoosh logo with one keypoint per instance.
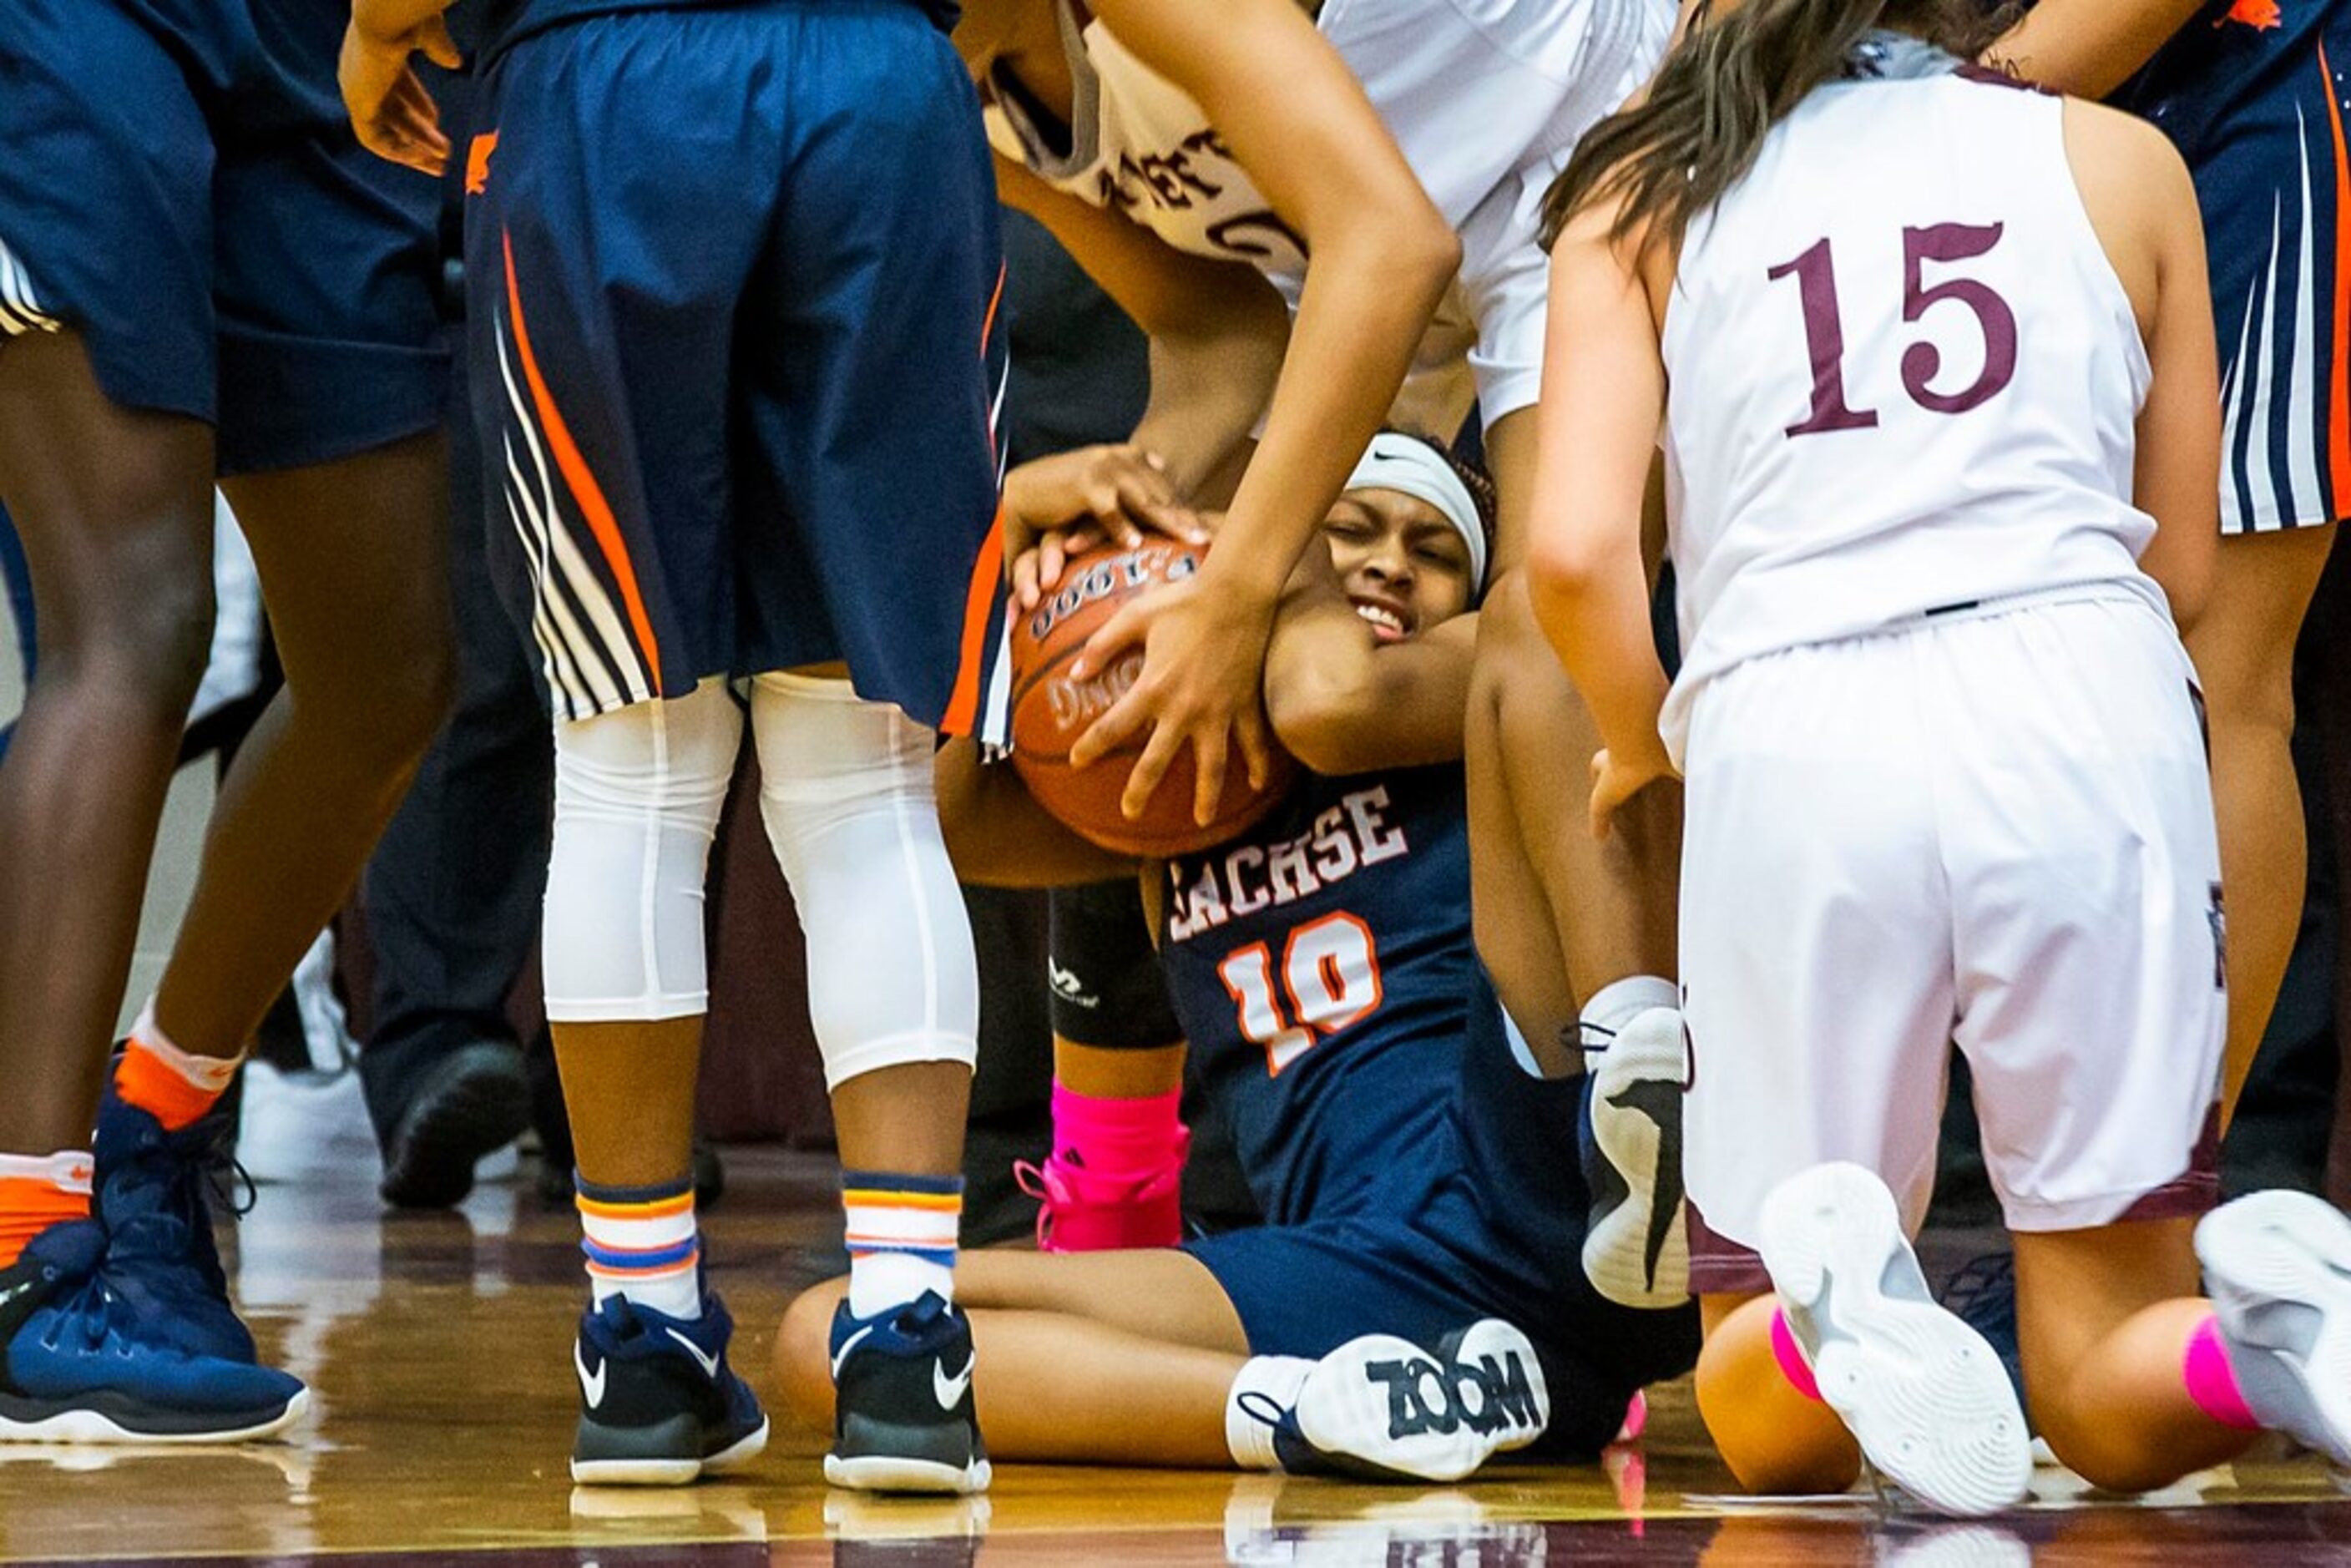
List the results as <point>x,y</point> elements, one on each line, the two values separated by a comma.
<point>846,1346</point>
<point>951,1390</point>
<point>592,1384</point>
<point>709,1364</point>
<point>13,1292</point>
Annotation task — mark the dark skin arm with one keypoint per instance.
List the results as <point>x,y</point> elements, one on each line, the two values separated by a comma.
<point>1343,703</point>
<point>2088,47</point>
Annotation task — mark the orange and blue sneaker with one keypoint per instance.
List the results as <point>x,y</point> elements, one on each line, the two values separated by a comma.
<point>152,1199</point>
<point>80,1363</point>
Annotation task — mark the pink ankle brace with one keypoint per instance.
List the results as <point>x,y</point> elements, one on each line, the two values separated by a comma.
<point>1791,1357</point>
<point>1116,1176</point>
<point>2213,1381</point>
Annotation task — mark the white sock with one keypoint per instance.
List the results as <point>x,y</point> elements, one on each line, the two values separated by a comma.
<point>1264,1388</point>
<point>1613,1006</point>
<point>642,1243</point>
<point>901,1233</point>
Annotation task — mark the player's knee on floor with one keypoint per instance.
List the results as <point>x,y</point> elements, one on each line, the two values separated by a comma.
<point>804,1352</point>
<point>637,796</point>
<point>847,795</point>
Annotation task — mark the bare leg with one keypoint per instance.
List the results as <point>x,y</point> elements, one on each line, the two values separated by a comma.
<point>2104,1318</point>
<point>353,563</point>
<point>1557,914</point>
<point>628,1088</point>
<point>1775,1439</point>
<point>904,1119</point>
<point>115,508</point>
<point>1102,1074</point>
<point>2244,649</point>
<point>1052,1332</point>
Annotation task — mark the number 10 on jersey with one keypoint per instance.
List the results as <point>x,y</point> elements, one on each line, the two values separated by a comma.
<point>1327,979</point>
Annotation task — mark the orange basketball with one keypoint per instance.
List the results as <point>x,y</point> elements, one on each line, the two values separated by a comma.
<point>1050,711</point>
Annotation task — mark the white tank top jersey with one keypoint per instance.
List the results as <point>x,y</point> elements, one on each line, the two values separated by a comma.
<point>1904,378</point>
<point>1469,89</point>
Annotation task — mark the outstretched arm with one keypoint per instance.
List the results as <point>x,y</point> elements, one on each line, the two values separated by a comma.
<point>2088,47</point>
<point>1297,119</point>
<point>394,115</point>
<point>1599,418</point>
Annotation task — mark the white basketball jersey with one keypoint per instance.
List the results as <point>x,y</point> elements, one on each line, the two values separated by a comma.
<point>1904,378</point>
<point>1467,88</point>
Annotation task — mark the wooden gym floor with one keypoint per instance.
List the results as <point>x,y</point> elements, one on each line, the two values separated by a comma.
<point>436,1348</point>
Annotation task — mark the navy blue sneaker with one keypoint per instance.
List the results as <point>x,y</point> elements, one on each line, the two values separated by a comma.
<point>84,1365</point>
<point>658,1403</point>
<point>1982,1295</point>
<point>152,1199</point>
<point>903,1419</point>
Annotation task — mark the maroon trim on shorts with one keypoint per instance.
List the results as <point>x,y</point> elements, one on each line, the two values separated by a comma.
<point>1721,1267</point>
<point>2195,1190</point>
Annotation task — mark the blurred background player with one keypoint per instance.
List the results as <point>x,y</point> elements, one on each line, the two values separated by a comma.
<point>2247,92</point>
<point>1426,1219</point>
<point>1946,770</point>
<point>181,305</point>
<point>1485,100</point>
<point>740,377</point>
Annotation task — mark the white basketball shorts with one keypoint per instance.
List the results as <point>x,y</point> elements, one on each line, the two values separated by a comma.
<point>1992,828</point>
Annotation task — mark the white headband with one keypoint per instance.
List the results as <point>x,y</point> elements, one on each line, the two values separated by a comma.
<point>1409,466</point>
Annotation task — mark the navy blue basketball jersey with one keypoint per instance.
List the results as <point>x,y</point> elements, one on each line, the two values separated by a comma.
<point>1322,966</point>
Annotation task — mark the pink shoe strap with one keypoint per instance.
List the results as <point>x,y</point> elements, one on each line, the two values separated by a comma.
<point>1791,1357</point>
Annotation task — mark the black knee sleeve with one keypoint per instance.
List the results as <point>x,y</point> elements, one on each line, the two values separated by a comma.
<point>1108,989</point>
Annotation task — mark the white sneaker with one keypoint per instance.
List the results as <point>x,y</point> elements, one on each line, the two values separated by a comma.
<point>2278,1265</point>
<point>307,1126</point>
<point>1381,1409</point>
<point>1636,1252</point>
<point>1924,1393</point>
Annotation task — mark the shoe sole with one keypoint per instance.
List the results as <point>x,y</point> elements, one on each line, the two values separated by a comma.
<point>658,1472</point>
<point>94,1428</point>
<point>1348,1415</point>
<point>1616,1250</point>
<point>1923,1394</point>
<point>2292,1249</point>
<point>890,1473</point>
<point>430,1164</point>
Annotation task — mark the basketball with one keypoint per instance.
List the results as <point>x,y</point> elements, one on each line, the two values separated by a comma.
<point>1050,711</point>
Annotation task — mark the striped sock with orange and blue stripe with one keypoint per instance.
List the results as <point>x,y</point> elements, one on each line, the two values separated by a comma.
<point>903,1231</point>
<point>642,1243</point>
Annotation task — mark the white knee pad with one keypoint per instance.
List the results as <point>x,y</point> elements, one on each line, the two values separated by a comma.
<point>637,796</point>
<point>846,791</point>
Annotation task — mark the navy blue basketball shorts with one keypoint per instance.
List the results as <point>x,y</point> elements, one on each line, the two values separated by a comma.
<point>2254,98</point>
<point>1420,1261</point>
<point>182,191</point>
<point>736,356</point>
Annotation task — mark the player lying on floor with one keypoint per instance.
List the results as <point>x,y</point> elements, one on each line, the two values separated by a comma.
<point>1414,1303</point>
<point>1934,510</point>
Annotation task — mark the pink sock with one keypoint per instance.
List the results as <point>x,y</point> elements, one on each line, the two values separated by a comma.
<point>1791,1357</point>
<point>2213,1381</point>
<point>1117,1134</point>
<point>1115,1176</point>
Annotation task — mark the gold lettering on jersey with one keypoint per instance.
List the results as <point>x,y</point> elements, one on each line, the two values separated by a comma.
<point>1250,878</point>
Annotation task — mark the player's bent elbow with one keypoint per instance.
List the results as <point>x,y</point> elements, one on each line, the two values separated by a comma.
<point>1319,715</point>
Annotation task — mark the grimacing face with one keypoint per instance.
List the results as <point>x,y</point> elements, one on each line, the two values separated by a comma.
<point>1404,566</point>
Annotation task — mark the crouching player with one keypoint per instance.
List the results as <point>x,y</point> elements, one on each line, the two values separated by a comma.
<point>1939,412</point>
<point>1414,1303</point>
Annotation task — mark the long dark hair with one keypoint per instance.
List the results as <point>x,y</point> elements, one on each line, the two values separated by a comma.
<point>1720,91</point>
